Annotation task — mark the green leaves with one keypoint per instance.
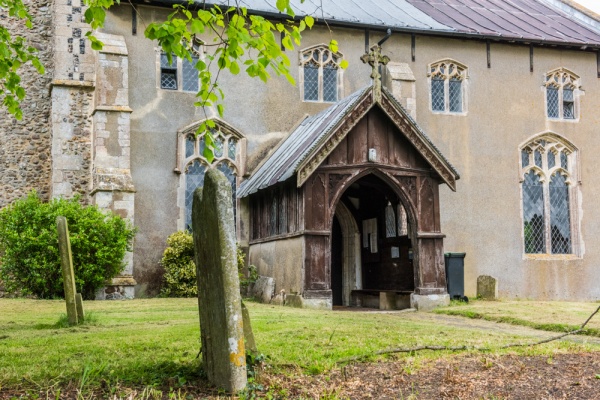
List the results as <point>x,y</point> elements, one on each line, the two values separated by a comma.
<point>29,259</point>
<point>240,40</point>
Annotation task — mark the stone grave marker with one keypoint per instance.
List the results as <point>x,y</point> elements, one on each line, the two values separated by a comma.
<point>219,299</point>
<point>487,287</point>
<point>66,262</point>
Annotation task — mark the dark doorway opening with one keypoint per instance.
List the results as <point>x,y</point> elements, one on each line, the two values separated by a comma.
<point>337,257</point>
<point>385,239</point>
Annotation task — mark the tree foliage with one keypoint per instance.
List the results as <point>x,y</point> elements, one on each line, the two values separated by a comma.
<point>29,256</point>
<point>14,52</point>
<point>240,41</point>
<point>179,279</point>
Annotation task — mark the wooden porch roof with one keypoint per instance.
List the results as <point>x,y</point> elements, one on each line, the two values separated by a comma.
<point>304,149</point>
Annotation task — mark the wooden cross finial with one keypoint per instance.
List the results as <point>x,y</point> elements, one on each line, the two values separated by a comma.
<point>374,58</point>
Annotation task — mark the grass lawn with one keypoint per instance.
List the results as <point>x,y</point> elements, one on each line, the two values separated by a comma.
<point>544,315</point>
<point>155,342</point>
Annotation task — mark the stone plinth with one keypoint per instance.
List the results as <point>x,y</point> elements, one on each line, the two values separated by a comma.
<point>428,302</point>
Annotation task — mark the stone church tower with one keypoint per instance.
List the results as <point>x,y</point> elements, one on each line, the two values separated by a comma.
<point>74,136</point>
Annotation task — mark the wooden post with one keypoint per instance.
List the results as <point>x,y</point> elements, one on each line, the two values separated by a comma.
<point>66,261</point>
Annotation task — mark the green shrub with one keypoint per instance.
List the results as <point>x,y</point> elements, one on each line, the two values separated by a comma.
<point>179,279</point>
<point>29,256</point>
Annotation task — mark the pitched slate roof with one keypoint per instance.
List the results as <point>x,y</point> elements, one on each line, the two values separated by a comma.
<point>305,141</point>
<point>537,21</point>
<point>282,164</point>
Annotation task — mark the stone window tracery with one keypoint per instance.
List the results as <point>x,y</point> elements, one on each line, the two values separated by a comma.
<point>548,184</point>
<point>562,94</point>
<point>447,86</point>
<point>193,163</point>
<point>320,74</point>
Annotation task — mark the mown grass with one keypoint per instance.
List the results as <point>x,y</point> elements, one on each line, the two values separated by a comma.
<point>155,342</point>
<point>543,315</point>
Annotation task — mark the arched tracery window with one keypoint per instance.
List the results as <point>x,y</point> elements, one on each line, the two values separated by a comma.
<point>320,74</point>
<point>447,84</point>
<point>562,94</point>
<point>193,163</point>
<point>548,169</point>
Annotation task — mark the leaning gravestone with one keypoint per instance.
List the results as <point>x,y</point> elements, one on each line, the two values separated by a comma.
<point>66,261</point>
<point>219,300</point>
<point>263,289</point>
<point>487,287</point>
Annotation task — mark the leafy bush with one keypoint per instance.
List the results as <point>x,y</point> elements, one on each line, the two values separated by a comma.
<point>179,279</point>
<point>29,256</point>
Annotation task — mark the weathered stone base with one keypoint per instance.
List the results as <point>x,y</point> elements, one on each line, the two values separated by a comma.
<point>317,304</point>
<point>428,302</point>
<point>313,299</point>
<point>120,288</point>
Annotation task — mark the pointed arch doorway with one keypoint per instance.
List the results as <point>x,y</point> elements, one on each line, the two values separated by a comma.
<point>364,149</point>
<point>371,246</point>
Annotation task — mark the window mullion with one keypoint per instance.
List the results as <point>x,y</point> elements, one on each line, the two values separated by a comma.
<point>446,93</point>
<point>561,114</point>
<point>547,227</point>
<point>321,90</point>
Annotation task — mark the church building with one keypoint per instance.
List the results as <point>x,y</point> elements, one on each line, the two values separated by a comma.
<point>459,126</point>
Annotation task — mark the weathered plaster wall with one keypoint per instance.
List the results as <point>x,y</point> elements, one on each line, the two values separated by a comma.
<point>25,146</point>
<point>281,260</point>
<point>506,107</point>
<point>483,218</point>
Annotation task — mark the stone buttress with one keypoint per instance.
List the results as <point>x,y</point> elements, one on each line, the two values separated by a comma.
<point>91,124</point>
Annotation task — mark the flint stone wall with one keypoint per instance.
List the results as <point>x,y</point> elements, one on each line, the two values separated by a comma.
<point>25,146</point>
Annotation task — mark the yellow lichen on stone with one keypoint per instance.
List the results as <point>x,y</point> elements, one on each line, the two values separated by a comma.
<point>238,358</point>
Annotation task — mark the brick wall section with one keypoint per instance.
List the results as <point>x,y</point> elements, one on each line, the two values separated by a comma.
<point>25,146</point>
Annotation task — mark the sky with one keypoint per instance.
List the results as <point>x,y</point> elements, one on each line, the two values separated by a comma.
<point>593,5</point>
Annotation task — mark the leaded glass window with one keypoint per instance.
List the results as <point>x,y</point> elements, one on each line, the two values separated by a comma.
<point>189,75</point>
<point>390,221</point>
<point>168,72</point>
<point>524,158</point>
<point>455,95</point>
<point>568,104</point>
<point>564,161</point>
<point>311,82</point>
<point>321,74</point>
<point>437,94</point>
<point>551,160</point>
<point>181,73</point>
<point>560,222</point>
<point>537,155</point>
<point>196,165</point>
<point>546,192</point>
<point>533,214</point>
<point>562,88</point>
<point>447,86</point>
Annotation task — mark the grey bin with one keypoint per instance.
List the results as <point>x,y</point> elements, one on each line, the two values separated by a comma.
<point>455,275</point>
